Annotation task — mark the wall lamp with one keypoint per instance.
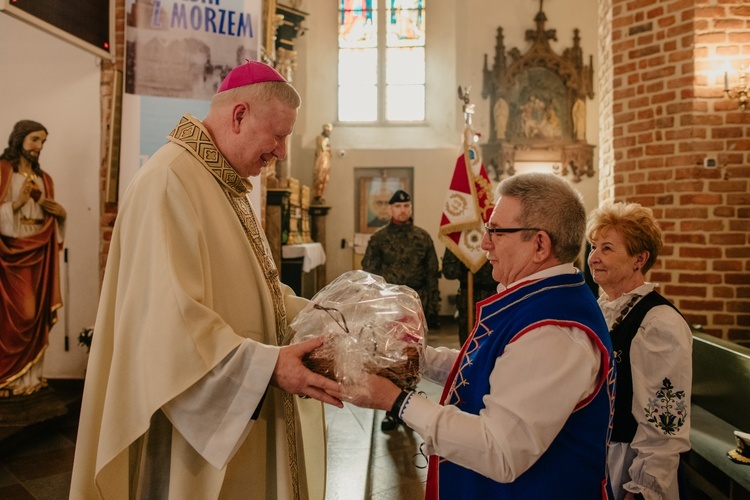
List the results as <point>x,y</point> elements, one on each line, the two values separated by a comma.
<point>740,92</point>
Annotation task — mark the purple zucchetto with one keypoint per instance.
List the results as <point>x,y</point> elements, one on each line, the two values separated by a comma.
<point>249,73</point>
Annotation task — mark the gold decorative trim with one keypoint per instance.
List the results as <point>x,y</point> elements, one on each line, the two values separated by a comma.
<point>734,456</point>
<point>259,244</point>
<point>191,135</point>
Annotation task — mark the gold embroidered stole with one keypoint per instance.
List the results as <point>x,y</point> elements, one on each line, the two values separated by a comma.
<point>191,135</point>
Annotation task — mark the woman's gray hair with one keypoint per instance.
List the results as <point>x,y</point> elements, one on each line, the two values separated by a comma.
<point>549,203</point>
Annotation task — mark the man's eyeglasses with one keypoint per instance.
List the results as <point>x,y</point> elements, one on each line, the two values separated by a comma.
<point>501,230</point>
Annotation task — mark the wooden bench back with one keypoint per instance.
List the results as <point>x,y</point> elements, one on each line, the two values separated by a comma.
<point>721,379</point>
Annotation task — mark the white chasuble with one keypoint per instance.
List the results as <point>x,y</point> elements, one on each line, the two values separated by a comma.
<point>189,277</point>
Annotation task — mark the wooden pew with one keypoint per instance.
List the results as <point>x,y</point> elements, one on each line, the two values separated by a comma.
<point>720,405</point>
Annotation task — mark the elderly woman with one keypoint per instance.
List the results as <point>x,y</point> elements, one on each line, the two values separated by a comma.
<point>652,346</point>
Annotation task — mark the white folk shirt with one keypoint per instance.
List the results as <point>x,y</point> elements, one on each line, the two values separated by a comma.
<point>662,349</point>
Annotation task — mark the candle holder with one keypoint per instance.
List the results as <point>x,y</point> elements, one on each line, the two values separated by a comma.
<point>740,92</point>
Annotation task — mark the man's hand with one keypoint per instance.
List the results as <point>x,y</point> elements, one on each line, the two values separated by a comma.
<point>629,495</point>
<point>291,375</point>
<point>377,393</point>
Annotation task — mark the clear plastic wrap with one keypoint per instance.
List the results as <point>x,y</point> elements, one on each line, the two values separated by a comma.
<point>370,326</point>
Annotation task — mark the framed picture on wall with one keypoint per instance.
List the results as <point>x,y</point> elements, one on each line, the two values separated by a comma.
<point>374,187</point>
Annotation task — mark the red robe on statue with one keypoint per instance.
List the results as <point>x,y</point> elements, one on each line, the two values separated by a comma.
<point>29,290</point>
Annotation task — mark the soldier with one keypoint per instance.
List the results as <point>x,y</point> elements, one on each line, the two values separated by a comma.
<point>403,254</point>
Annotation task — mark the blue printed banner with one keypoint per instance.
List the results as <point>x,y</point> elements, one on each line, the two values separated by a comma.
<point>185,48</point>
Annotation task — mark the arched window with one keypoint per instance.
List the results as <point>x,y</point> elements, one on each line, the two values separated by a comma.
<point>381,72</point>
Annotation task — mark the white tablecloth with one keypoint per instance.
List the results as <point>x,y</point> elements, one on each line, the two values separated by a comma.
<point>312,253</point>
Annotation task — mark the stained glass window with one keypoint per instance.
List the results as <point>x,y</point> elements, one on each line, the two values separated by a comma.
<point>381,60</point>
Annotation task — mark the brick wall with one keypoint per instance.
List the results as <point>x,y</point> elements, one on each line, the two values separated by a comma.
<point>662,114</point>
<point>108,211</point>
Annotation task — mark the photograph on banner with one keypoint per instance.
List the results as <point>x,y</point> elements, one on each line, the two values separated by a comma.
<point>183,48</point>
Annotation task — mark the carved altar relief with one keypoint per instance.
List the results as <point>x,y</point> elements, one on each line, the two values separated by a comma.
<point>538,105</point>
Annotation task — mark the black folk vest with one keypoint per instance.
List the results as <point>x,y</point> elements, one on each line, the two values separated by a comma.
<point>624,424</point>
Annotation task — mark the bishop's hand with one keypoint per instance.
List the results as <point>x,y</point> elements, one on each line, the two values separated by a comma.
<point>292,376</point>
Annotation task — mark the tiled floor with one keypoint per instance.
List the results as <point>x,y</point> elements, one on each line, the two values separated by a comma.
<point>363,462</point>
<point>36,463</point>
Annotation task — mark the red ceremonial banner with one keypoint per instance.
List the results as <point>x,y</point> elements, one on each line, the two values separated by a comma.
<point>468,204</point>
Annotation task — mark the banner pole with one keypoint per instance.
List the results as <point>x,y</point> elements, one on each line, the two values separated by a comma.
<point>468,109</point>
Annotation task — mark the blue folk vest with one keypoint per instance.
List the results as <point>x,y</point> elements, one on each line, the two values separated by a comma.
<point>574,466</point>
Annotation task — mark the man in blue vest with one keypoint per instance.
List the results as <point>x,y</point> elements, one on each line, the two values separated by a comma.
<point>527,402</point>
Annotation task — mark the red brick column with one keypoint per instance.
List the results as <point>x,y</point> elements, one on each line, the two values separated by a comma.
<point>662,113</point>
<point>108,211</point>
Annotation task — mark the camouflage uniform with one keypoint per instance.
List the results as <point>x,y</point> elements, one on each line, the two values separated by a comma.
<point>484,286</point>
<point>403,254</point>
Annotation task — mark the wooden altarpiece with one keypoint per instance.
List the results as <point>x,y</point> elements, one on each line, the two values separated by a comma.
<point>538,104</point>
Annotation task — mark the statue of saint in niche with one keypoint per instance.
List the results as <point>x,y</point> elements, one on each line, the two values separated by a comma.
<point>501,118</point>
<point>322,166</point>
<point>579,120</point>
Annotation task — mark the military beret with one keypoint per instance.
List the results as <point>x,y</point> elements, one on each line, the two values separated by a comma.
<point>399,196</point>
